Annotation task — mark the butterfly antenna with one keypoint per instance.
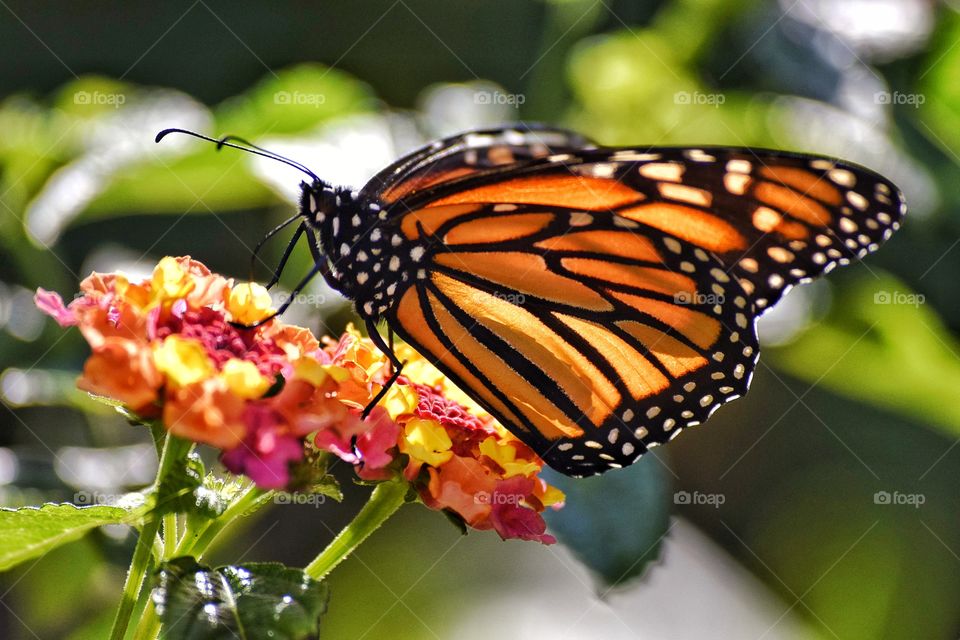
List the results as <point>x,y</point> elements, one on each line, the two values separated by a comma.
<point>273,154</point>
<point>225,142</point>
<point>231,138</point>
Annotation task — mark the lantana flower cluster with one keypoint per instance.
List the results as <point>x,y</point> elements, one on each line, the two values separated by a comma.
<point>175,348</point>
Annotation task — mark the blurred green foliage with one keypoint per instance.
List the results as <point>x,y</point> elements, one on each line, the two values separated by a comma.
<point>861,402</point>
<point>919,370</point>
<point>616,546</point>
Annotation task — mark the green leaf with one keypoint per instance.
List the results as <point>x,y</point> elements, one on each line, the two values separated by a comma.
<point>91,97</point>
<point>614,523</point>
<point>940,104</point>
<point>32,531</point>
<point>258,600</point>
<point>295,99</point>
<point>172,187</point>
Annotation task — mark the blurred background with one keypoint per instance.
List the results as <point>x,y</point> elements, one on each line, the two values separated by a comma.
<point>823,505</point>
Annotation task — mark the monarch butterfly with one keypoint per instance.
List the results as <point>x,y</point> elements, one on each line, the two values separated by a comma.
<point>595,300</point>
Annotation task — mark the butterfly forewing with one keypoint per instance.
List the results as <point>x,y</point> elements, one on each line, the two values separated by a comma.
<point>776,219</point>
<point>773,218</point>
<point>469,154</point>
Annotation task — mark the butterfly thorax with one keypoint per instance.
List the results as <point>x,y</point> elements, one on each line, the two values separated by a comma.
<point>361,258</point>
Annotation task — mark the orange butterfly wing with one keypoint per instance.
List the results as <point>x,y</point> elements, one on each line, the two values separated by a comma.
<point>584,334</point>
<point>598,302</point>
<point>468,154</point>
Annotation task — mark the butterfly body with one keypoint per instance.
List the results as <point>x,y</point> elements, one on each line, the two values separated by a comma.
<point>360,259</point>
<point>595,300</point>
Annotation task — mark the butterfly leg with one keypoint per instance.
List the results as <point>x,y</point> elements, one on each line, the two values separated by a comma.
<point>318,258</point>
<point>283,259</point>
<point>283,307</point>
<point>390,344</point>
<point>395,363</point>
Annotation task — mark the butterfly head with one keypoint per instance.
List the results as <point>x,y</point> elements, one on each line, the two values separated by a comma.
<point>333,218</point>
<point>319,202</point>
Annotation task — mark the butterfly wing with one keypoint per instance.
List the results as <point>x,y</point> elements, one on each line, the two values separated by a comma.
<point>468,154</point>
<point>783,218</point>
<point>586,335</point>
<point>775,219</point>
<point>597,302</point>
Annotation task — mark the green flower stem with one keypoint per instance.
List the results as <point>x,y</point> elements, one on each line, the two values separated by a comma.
<point>386,498</point>
<point>138,567</point>
<point>169,535</point>
<point>197,543</point>
<point>173,448</point>
<point>158,547</point>
<point>149,626</point>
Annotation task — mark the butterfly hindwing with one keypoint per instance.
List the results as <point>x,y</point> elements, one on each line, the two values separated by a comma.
<point>590,336</point>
